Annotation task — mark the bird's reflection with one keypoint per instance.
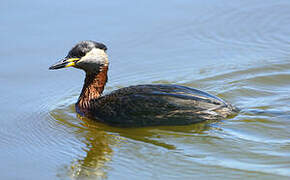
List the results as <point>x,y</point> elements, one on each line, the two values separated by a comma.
<point>100,139</point>
<point>97,145</point>
<point>98,151</point>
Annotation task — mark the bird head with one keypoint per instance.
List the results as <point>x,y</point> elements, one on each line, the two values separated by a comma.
<point>87,55</point>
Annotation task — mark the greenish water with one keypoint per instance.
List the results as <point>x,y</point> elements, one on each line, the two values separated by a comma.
<point>237,50</point>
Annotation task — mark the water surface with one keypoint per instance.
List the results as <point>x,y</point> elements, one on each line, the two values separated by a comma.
<point>237,50</point>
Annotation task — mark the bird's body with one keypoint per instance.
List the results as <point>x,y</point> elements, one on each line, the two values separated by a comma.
<point>141,105</point>
<point>148,105</point>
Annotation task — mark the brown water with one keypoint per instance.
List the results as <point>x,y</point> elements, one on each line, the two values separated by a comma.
<point>237,50</point>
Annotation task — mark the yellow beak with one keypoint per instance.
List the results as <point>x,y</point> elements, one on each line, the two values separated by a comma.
<point>66,62</point>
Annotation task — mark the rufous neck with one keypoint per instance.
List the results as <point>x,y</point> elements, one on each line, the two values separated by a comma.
<point>93,88</point>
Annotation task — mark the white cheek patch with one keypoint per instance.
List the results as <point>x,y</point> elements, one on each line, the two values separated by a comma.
<point>96,56</point>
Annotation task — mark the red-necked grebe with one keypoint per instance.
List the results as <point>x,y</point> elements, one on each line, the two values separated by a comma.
<point>141,105</point>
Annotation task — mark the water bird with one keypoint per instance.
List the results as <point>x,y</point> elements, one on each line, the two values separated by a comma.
<point>138,105</point>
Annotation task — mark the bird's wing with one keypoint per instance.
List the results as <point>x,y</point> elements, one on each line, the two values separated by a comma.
<point>155,104</point>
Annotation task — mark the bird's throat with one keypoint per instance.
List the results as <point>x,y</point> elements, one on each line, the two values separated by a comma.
<point>92,89</point>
